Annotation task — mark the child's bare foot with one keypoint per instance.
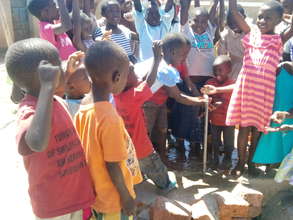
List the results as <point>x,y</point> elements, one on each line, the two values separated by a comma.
<point>238,170</point>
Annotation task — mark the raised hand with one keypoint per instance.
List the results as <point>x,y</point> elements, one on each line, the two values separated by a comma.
<point>49,74</point>
<point>157,50</point>
<point>74,62</point>
<point>107,35</point>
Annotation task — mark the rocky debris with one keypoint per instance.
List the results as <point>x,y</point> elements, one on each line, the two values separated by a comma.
<point>231,205</point>
<point>206,209</point>
<point>168,209</point>
<point>241,204</point>
<point>279,207</point>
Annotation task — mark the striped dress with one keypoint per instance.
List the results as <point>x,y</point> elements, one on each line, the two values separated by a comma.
<point>253,97</point>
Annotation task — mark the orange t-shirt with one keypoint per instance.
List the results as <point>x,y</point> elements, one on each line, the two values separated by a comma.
<point>105,139</point>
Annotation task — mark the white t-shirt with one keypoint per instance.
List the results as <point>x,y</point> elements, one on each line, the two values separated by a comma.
<point>201,56</point>
<point>148,34</point>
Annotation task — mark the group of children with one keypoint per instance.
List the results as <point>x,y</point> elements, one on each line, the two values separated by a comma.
<point>90,121</point>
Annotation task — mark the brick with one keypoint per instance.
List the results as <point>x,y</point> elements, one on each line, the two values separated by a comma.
<point>206,209</point>
<point>231,205</point>
<point>168,209</point>
<point>253,197</point>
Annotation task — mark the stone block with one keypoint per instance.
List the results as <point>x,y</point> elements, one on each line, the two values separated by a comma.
<point>253,197</point>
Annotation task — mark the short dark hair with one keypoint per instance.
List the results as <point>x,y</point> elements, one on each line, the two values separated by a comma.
<point>174,41</point>
<point>104,5</point>
<point>240,9</point>
<point>102,56</point>
<point>35,7</point>
<point>276,6</point>
<point>23,58</point>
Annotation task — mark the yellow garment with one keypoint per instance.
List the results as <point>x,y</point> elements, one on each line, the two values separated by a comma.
<point>105,139</point>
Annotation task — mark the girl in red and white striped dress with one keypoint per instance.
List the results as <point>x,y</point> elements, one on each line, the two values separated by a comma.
<point>253,95</point>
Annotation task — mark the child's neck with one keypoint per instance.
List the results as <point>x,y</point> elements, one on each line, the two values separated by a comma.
<point>47,20</point>
<point>100,94</point>
<point>169,60</point>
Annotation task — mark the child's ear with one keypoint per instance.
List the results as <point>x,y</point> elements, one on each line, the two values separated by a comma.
<point>115,76</point>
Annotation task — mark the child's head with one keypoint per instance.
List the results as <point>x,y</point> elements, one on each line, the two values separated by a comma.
<point>108,66</point>
<point>125,5</point>
<point>78,84</point>
<point>86,26</point>
<point>175,48</point>
<point>110,9</point>
<point>23,58</point>
<point>132,79</point>
<point>199,20</point>
<point>231,21</point>
<point>269,16</point>
<point>152,16</point>
<point>287,6</point>
<point>44,10</point>
<point>222,67</point>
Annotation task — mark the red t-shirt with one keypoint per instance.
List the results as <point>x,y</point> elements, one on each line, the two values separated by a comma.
<point>183,71</point>
<point>129,105</point>
<point>218,116</point>
<point>59,179</point>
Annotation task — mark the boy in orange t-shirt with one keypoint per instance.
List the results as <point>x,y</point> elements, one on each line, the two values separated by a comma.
<point>109,151</point>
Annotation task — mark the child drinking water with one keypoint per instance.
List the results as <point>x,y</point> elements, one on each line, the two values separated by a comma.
<point>252,99</point>
<point>50,29</point>
<point>129,105</point>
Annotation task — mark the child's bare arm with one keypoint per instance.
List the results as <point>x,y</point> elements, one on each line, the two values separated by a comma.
<point>213,12</point>
<point>38,134</point>
<point>77,41</point>
<point>184,99</point>
<point>287,34</point>
<point>87,7</point>
<point>128,204</point>
<point>134,36</point>
<point>238,17</point>
<point>185,4</point>
<point>157,50</point>
<point>211,90</point>
<point>222,16</point>
<point>65,24</point>
<point>169,5</point>
<point>137,5</point>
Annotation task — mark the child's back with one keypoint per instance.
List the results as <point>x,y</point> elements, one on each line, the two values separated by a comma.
<point>46,138</point>
<point>109,150</point>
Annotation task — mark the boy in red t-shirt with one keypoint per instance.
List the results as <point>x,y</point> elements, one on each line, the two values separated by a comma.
<point>129,105</point>
<point>222,67</point>
<point>59,179</point>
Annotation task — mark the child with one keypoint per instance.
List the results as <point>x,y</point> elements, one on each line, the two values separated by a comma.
<point>46,138</point>
<point>175,49</point>
<point>274,146</point>
<point>82,28</point>
<point>119,34</point>
<point>109,150</point>
<point>201,33</point>
<point>252,99</point>
<point>222,69</point>
<point>230,43</point>
<point>76,87</point>
<point>129,105</point>
<point>151,24</point>
<point>47,13</point>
